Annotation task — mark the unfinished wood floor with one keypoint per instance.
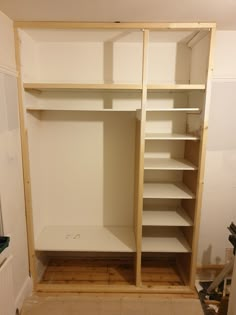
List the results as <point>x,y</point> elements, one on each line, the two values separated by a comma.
<point>109,272</point>
<point>109,305</point>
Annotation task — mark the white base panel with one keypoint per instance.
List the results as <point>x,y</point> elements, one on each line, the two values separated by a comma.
<point>86,238</point>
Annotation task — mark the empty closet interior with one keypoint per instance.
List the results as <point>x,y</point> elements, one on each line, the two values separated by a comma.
<point>114,122</point>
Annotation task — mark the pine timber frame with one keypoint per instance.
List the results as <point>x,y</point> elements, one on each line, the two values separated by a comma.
<point>140,142</point>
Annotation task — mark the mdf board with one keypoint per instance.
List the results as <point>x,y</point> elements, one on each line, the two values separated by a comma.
<point>111,121</point>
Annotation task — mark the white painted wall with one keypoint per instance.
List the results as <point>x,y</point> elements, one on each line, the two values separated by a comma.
<point>219,197</point>
<point>11,179</point>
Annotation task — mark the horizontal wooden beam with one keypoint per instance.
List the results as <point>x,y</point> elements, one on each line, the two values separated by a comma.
<point>75,86</point>
<point>113,25</point>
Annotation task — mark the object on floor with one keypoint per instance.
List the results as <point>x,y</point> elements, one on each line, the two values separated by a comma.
<point>4,242</point>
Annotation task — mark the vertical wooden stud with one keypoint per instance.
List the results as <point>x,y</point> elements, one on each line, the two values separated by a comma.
<point>202,155</point>
<point>25,164</point>
<point>141,159</point>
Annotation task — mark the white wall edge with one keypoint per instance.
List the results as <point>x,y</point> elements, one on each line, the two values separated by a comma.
<point>25,291</point>
<point>8,70</point>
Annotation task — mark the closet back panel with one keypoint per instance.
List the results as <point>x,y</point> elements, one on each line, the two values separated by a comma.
<point>84,56</point>
<point>90,157</point>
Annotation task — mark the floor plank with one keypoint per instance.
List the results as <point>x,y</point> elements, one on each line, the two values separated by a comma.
<point>107,305</point>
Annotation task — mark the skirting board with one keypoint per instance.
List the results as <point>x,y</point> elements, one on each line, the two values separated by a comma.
<point>25,291</point>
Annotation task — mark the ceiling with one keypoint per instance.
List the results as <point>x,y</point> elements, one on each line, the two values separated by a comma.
<point>223,12</point>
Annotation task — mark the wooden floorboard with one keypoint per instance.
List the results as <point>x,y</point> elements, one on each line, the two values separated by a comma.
<point>110,272</point>
<point>83,271</point>
<point>160,272</point>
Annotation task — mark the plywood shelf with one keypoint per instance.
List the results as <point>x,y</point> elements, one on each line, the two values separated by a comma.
<point>167,191</point>
<point>106,86</point>
<point>77,86</point>
<point>86,238</point>
<point>166,217</point>
<point>194,110</point>
<point>170,136</point>
<point>151,163</point>
<point>176,87</point>
<point>164,240</point>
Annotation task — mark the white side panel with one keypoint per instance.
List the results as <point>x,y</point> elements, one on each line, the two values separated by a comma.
<point>29,55</point>
<point>34,140</point>
<point>166,100</point>
<point>199,61</point>
<point>219,203</point>
<point>165,122</point>
<point>11,180</point>
<point>151,176</point>
<point>164,149</point>
<point>7,48</point>
<point>127,63</point>
<point>168,63</point>
<point>6,288</point>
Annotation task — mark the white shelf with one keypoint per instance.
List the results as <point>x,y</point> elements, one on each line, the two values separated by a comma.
<point>113,86</point>
<point>167,191</point>
<point>170,136</point>
<point>164,240</point>
<point>174,87</point>
<point>182,109</point>
<point>79,110</point>
<point>151,163</point>
<point>86,238</point>
<point>166,217</point>
<point>77,86</point>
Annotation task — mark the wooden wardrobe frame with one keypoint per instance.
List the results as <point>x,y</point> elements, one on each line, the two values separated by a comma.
<point>146,27</point>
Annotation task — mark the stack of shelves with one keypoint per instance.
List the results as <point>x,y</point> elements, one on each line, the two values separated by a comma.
<point>164,218</point>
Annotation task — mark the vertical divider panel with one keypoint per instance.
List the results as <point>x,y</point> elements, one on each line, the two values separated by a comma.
<point>140,177</point>
<point>202,154</point>
<point>25,164</point>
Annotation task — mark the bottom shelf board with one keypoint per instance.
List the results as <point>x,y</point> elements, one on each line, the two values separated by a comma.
<point>86,238</point>
<point>96,271</point>
<point>164,240</point>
